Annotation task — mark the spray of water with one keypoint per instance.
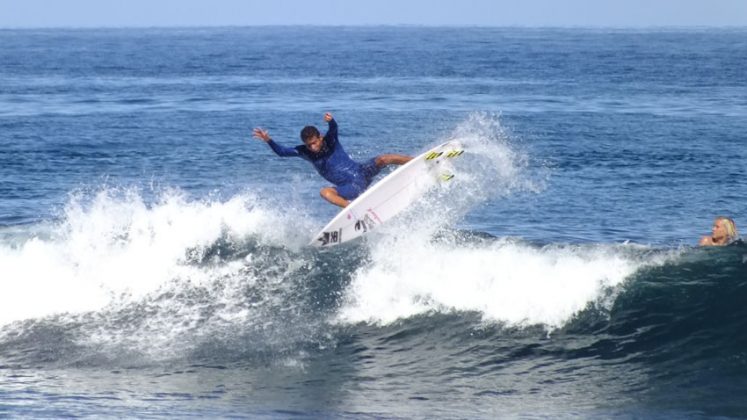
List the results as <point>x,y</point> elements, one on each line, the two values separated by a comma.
<point>115,248</point>
<point>504,280</point>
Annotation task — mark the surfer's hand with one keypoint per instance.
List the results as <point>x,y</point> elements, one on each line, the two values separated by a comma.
<point>327,117</point>
<point>262,134</point>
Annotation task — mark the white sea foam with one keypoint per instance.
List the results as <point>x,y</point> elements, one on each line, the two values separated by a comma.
<point>114,248</point>
<point>505,281</point>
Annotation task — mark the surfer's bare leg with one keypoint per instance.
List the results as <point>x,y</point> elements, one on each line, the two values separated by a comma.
<point>330,194</point>
<point>391,159</point>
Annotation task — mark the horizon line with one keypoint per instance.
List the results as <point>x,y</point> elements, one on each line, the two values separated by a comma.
<point>380,25</point>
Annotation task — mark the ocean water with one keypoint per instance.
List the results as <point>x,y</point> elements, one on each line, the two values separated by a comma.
<point>153,257</point>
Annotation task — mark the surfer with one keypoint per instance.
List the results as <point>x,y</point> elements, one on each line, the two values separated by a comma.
<point>724,232</point>
<point>349,177</point>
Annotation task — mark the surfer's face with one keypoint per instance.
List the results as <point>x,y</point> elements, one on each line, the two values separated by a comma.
<point>314,144</point>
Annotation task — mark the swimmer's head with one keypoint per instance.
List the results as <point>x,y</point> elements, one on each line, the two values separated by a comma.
<point>724,227</point>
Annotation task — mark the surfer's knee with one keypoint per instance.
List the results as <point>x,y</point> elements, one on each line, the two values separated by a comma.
<point>330,194</point>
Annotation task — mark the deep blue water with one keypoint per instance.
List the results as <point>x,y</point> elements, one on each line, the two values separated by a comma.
<point>153,257</point>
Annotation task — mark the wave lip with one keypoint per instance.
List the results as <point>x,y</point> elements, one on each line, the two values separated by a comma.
<point>115,248</point>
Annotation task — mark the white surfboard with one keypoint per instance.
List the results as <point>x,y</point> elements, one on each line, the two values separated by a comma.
<point>391,195</point>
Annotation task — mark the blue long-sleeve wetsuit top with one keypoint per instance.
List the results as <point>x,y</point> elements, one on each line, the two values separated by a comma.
<point>332,162</point>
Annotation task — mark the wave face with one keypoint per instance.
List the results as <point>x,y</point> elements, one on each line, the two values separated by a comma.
<point>206,285</point>
<point>228,287</point>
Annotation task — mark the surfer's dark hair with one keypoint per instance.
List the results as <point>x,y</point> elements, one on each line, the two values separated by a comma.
<point>308,132</point>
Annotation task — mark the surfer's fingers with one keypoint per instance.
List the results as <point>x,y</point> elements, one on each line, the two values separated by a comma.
<point>261,134</point>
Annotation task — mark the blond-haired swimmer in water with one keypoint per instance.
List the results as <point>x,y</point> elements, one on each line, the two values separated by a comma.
<point>724,232</point>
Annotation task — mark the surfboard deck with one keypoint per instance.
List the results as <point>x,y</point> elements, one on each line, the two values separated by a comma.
<point>391,195</point>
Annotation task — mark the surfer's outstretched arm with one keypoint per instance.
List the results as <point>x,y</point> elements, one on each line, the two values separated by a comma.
<point>278,149</point>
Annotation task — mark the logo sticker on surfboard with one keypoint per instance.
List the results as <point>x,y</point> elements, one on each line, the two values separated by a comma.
<point>365,224</point>
<point>327,238</point>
